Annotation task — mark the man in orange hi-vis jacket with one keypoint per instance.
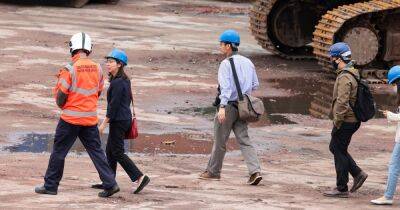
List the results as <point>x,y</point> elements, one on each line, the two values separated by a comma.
<point>78,88</point>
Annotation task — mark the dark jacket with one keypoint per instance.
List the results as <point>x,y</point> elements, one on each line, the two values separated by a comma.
<point>119,100</point>
<point>344,94</point>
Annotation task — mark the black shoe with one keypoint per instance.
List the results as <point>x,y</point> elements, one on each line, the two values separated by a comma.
<point>335,193</point>
<point>97,186</point>
<point>255,179</point>
<point>359,181</point>
<point>142,184</point>
<point>109,192</point>
<point>43,190</point>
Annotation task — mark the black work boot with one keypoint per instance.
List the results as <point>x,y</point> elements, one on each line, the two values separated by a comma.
<point>43,190</point>
<point>359,181</point>
<point>97,186</point>
<point>109,192</point>
<point>336,193</point>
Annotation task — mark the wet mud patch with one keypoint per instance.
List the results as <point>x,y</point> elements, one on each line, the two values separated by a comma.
<point>177,143</point>
<point>208,112</point>
<point>205,9</point>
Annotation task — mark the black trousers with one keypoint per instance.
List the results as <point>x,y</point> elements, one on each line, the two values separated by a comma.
<point>115,150</point>
<point>65,137</point>
<point>344,163</point>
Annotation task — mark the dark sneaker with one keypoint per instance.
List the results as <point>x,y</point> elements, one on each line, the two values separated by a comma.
<point>109,192</point>
<point>336,194</point>
<point>142,183</point>
<point>359,181</point>
<point>255,179</point>
<point>43,190</point>
<point>208,176</point>
<point>97,186</point>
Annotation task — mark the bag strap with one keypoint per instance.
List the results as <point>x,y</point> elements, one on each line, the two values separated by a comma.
<point>133,107</point>
<point>235,77</point>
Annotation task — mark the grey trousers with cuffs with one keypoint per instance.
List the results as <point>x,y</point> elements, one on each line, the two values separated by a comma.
<point>221,136</point>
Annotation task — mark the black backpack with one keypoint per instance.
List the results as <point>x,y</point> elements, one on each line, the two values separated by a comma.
<point>365,107</point>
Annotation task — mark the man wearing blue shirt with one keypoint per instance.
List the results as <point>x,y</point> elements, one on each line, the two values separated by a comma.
<point>227,117</point>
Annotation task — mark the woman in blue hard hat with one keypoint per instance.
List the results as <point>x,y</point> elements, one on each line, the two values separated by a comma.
<point>119,116</point>
<point>394,167</point>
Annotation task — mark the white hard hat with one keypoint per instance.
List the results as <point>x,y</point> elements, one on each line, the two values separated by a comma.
<point>80,41</point>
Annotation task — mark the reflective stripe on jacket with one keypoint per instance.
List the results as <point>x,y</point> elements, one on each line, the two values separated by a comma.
<point>82,81</point>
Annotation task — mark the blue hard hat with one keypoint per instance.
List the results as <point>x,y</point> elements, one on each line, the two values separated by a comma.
<point>340,49</point>
<point>118,55</point>
<point>230,36</point>
<point>394,74</point>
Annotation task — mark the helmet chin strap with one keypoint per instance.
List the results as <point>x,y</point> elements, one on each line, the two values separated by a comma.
<point>398,85</point>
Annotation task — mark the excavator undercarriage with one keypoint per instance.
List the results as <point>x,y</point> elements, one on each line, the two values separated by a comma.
<point>305,29</point>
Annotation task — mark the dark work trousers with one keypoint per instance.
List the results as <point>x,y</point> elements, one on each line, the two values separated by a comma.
<point>65,137</point>
<point>344,163</point>
<point>115,149</point>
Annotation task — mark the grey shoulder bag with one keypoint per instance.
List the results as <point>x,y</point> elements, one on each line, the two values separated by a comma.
<point>250,108</point>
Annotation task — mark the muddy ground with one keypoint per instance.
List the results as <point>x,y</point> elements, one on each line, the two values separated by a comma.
<point>173,61</point>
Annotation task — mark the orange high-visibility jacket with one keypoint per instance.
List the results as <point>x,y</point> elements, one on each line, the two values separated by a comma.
<point>82,80</point>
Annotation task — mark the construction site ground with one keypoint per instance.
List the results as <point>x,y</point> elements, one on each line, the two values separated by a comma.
<point>173,62</point>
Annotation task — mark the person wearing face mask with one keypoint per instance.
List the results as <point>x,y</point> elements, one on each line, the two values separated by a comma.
<point>345,123</point>
<point>119,116</point>
<point>394,166</point>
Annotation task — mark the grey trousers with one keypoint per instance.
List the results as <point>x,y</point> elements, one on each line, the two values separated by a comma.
<point>221,136</point>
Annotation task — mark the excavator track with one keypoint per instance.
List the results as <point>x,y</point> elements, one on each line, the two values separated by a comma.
<point>320,106</point>
<point>332,22</point>
<point>258,26</point>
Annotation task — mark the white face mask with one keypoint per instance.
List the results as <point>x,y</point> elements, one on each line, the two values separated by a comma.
<point>394,88</point>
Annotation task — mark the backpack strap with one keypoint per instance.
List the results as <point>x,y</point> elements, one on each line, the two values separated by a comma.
<point>235,77</point>
<point>354,76</point>
<point>358,83</point>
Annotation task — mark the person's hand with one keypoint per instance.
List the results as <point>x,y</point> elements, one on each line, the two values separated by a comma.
<point>221,115</point>
<point>337,124</point>
<point>385,113</point>
<point>101,128</point>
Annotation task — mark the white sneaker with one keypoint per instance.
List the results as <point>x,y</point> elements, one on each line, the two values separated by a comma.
<point>382,201</point>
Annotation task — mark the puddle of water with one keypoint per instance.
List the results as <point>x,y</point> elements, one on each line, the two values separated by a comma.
<point>146,143</point>
<point>296,84</point>
<point>275,109</point>
<point>298,104</point>
<point>306,88</point>
<point>276,119</point>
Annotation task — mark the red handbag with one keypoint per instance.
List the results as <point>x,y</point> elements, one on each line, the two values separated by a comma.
<point>132,133</point>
